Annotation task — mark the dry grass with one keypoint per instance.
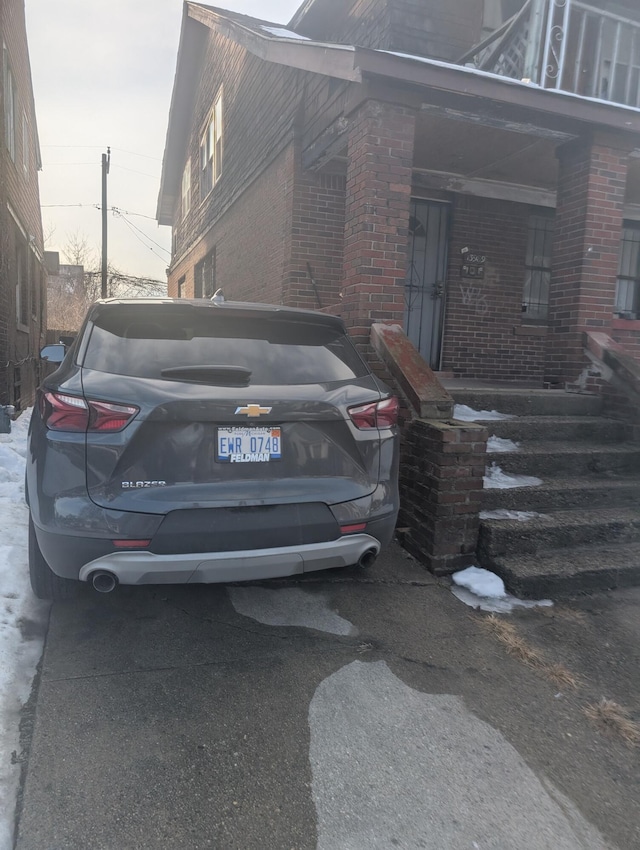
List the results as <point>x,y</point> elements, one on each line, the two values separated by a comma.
<point>614,720</point>
<point>562,677</point>
<point>518,648</point>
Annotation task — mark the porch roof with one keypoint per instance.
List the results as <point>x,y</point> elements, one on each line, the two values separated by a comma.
<point>441,83</point>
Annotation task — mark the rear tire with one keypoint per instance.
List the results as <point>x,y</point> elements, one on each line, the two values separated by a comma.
<point>44,582</point>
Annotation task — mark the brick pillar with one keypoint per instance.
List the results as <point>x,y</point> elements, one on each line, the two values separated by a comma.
<point>588,229</point>
<point>376,230</point>
<point>441,472</point>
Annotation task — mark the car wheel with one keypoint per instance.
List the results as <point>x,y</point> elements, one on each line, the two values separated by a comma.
<point>44,582</point>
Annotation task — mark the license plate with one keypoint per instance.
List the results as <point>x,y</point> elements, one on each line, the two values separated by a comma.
<point>249,445</point>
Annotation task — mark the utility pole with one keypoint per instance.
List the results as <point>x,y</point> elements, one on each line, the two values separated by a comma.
<point>106,159</point>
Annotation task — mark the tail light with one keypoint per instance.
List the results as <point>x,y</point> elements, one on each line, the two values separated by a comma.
<point>377,414</point>
<point>62,412</point>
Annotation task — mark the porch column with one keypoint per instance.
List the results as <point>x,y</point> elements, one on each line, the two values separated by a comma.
<point>588,231</point>
<point>380,153</point>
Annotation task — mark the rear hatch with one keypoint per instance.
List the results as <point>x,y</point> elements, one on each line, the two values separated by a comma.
<point>235,407</point>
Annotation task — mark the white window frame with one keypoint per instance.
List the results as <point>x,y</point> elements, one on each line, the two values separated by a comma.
<point>211,149</point>
<point>186,189</point>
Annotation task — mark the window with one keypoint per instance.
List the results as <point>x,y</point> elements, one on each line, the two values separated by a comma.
<point>628,284</point>
<point>211,149</point>
<point>126,341</point>
<point>186,188</point>
<point>9,104</point>
<point>205,276</point>
<point>535,295</point>
<point>25,144</point>
<point>181,287</point>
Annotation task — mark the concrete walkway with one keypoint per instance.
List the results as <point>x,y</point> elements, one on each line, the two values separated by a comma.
<point>353,710</point>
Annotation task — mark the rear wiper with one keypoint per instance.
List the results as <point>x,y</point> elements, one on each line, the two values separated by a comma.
<point>232,376</point>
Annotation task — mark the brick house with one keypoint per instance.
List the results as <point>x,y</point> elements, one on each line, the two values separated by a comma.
<point>469,169</point>
<point>22,274</point>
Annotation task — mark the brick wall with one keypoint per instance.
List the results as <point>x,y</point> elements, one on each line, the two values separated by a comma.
<point>261,102</point>
<point>629,338</point>
<point>316,240</point>
<point>441,472</point>
<point>377,216</point>
<point>484,334</point>
<point>249,240</point>
<point>19,188</point>
<point>587,236</point>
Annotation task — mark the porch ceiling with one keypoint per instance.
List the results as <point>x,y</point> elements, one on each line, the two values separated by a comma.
<point>476,151</point>
<point>473,150</point>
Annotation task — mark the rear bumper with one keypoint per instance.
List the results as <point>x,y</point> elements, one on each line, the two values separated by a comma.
<point>250,565</point>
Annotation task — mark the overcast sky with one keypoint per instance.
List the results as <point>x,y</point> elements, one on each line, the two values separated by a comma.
<point>102,75</point>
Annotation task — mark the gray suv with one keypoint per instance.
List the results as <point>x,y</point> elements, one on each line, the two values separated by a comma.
<point>207,441</point>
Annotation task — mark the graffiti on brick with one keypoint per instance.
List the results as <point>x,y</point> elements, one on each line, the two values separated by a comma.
<point>473,296</point>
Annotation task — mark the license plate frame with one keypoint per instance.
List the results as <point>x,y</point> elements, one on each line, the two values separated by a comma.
<point>234,444</point>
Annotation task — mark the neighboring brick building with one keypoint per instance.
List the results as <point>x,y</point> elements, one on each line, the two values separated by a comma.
<point>22,274</point>
<point>392,160</point>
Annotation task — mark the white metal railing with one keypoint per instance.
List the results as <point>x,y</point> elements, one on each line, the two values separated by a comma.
<point>567,45</point>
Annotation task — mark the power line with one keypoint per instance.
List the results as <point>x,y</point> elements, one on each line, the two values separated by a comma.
<point>99,147</point>
<point>133,171</point>
<point>131,228</point>
<point>97,207</point>
<point>121,276</point>
<point>118,212</point>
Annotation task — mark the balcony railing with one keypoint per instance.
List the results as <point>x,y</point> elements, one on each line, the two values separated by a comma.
<point>567,45</point>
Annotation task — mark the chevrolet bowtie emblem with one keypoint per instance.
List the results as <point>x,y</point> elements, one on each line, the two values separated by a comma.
<point>253,410</point>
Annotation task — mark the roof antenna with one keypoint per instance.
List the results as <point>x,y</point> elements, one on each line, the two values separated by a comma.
<point>218,296</point>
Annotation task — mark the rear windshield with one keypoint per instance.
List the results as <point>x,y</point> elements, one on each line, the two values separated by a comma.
<point>142,342</point>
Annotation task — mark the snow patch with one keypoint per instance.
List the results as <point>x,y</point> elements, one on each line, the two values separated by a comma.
<point>468,414</point>
<point>482,589</point>
<point>498,444</point>
<point>481,582</point>
<point>496,479</point>
<point>281,32</point>
<point>289,606</point>
<point>503,513</point>
<point>22,617</point>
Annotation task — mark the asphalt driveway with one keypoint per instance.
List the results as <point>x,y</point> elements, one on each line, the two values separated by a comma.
<point>354,710</point>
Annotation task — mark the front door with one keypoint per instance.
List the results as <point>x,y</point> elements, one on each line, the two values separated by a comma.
<point>425,281</point>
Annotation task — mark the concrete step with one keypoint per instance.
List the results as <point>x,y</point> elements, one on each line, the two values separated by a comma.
<point>558,530</point>
<point>544,459</point>
<point>528,402</point>
<point>581,570</point>
<point>563,428</point>
<point>597,491</point>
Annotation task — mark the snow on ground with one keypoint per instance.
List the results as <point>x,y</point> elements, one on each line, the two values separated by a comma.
<point>22,617</point>
<point>496,479</point>
<point>499,444</point>
<point>483,589</point>
<point>468,414</point>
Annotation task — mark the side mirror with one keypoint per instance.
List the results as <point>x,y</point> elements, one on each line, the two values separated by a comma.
<point>54,353</point>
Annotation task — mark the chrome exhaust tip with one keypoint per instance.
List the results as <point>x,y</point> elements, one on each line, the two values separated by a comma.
<point>103,581</point>
<point>367,559</point>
